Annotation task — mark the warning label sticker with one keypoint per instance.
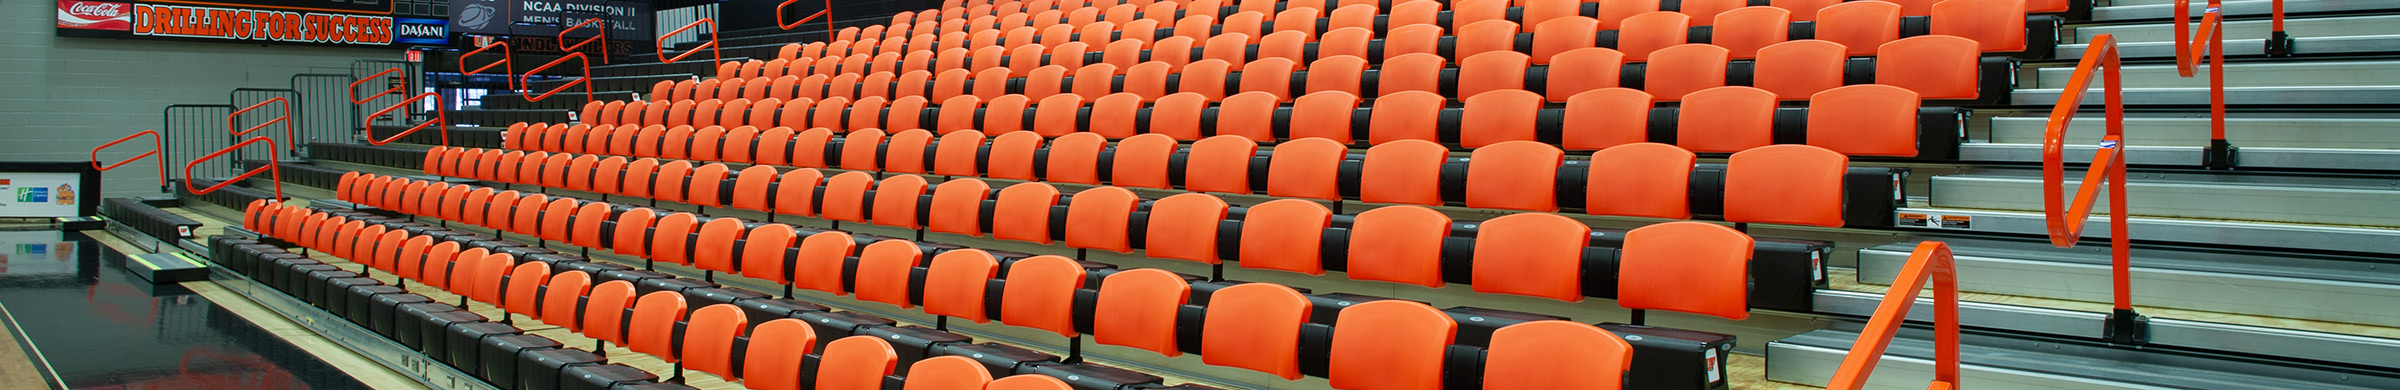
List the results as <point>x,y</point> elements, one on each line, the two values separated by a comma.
<point>1936,221</point>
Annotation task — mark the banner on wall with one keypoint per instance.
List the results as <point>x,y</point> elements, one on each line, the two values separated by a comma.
<point>274,22</point>
<point>625,20</point>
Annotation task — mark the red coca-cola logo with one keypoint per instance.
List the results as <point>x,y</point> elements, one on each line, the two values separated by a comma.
<point>94,15</point>
<point>101,10</point>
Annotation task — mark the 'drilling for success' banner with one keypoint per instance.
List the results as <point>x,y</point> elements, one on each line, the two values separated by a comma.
<point>260,25</point>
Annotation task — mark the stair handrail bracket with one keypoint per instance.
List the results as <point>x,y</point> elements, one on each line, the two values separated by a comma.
<point>2066,221</point>
<point>1931,262</point>
<point>507,58</point>
<point>291,129</point>
<point>2209,42</point>
<point>826,14</point>
<point>713,48</point>
<point>157,149</point>
<point>602,38</point>
<point>273,168</point>
<point>441,120</point>
<point>584,62</point>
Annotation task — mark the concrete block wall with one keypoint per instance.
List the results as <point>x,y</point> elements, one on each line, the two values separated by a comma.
<point>61,96</point>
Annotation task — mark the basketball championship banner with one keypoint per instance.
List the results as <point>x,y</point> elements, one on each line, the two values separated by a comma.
<point>267,21</point>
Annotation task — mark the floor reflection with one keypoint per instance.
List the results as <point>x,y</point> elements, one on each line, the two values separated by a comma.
<point>101,327</point>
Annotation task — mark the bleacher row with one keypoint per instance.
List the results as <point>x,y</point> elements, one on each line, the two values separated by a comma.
<point>881,272</point>
<point>2001,26</point>
<point>780,351</point>
<point>1859,120</point>
<point>1307,237</point>
<point>1934,67</point>
<point>1788,184</point>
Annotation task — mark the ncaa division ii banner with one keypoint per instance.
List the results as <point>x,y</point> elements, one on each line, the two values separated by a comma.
<point>273,21</point>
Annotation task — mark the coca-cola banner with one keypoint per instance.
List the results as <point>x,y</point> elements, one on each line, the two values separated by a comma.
<point>94,15</point>
<point>173,21</point>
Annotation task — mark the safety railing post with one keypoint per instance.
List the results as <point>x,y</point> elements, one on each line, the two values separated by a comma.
<point>2066,220</point>
<point>2190,50</point>
<point>826,14</point>
<point>507,58</point>
<point>1932,262</point>
<point>712,47</point>
<point>158,150</point>
<point>2279,43</point>
<point>274,168</point>
<point>441,119</point>
<point>290,128</point>
<point>602,38</point>
<point>586,80</point>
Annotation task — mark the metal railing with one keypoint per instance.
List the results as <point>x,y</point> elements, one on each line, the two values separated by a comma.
<point>273,168</point>
<point>2209,41</point>
<point>507,58</point>
<point>2066,221</point>
<point>1932,260</point>
<point>158,149</point>
<point>602,37</point>
<point>260,103</point>
<point>196,129</point>
<point>2279,43</point>
<point>826,14</point>
<point>323,118</point>
<point>441,120</point>
<point>712,47</point>
<point>585,80</point>
<point>290,127</point>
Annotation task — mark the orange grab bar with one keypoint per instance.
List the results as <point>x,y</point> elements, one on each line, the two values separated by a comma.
<point>1931,260</point>
<point>290,129</point>
<point>711,45</point>
<point>157,147</point>
<point>354,87</point>
<point>271,167</point>
<point>507,57</point>
<point>826,13</point>
<point>439,117</point>
<point>2208,41</point>
<point>586,80</point>
<point>602,38</point>
<point>2066,221</point>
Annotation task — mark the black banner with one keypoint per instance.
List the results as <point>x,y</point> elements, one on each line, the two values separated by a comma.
<point>624,20</point>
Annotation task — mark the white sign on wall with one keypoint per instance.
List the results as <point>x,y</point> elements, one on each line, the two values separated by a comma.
<point>39,194</point>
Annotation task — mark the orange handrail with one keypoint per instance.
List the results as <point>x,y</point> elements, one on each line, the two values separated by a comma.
<point>711,45</point>
<point>826,13</point>
<point>157,149</point>
<point>439,117</point>
<point>2210,42</point>
<point>602,38</point>
<point>271,167</point>
<point>586,80</point>
<point>1932,260</point>
<point>394,89</point>
<point>507,57</point>
<point>2066,222</point>
<point>2279,43</point>
<point>290,129</point>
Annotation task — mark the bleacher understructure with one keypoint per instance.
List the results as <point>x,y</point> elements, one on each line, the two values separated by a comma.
<point>1386,194</point>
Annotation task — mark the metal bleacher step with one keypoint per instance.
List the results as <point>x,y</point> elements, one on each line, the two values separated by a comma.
<point>2247,84</point>
<point>2006,362</point>
<point>2342,95</point>
<point>2347,201</point>
<point>2367,141</point>
<point>2316,36</point>
<point>2161,9</point>
<point>2257,283</point>
<point>2241,75</point>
